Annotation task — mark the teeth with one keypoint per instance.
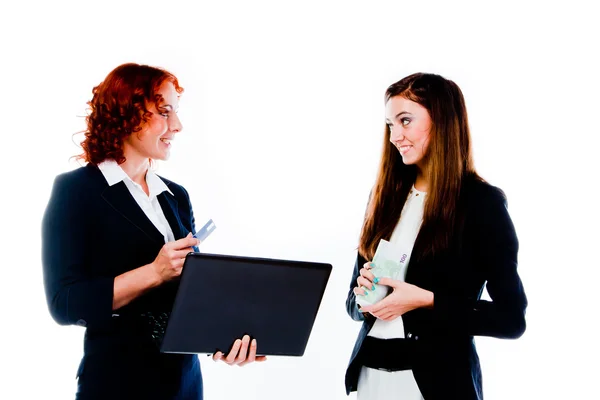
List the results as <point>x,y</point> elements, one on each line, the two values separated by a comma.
<point>167,141</point>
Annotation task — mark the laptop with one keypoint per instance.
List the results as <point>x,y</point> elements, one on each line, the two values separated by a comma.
<point>222,298</point>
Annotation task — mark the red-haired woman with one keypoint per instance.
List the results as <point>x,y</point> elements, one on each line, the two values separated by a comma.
<point>457,236</point>
<point>114,239</point>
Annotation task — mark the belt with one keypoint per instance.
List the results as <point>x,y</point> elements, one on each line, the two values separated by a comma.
<point>388,354</point>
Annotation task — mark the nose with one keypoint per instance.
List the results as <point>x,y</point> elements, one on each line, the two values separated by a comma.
<point>396,134</point>
<point>175,123</point>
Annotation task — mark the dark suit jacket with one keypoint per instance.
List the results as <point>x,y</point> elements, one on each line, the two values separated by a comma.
<point>483,252</point>
<point>91,233</point>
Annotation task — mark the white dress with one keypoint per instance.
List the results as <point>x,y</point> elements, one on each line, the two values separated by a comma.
<point>374,384</point>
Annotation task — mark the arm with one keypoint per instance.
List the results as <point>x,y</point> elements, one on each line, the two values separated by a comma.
<point>351,307</point>
<point>168,264</point>
<point>497,248</point>
<point>73,296</point>
<point>132,284</point>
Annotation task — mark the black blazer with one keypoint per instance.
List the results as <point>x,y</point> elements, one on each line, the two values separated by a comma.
<point>483,252</point>
<point>91,233</point>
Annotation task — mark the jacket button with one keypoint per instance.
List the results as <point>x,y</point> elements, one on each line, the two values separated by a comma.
<point>409,335</point>
<point>81,322</point>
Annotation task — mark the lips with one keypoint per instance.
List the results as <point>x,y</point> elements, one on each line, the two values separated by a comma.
<point>166,141</point>
<point>404,149</point>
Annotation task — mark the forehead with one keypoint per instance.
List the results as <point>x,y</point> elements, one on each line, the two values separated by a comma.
<point>398,104</point>
<point>168,93</point>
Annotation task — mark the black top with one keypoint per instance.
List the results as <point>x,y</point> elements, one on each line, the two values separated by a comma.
<point>91,233</point>
<point>483,252</point>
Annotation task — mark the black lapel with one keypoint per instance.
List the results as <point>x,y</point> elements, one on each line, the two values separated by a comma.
<point>119,197</point>
<point>169,205</point>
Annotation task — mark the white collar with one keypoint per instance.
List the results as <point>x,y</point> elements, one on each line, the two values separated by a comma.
<point>113,173</point>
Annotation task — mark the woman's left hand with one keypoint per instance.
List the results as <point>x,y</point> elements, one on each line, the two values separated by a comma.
<point>240,354</point>
<point>404,298</point>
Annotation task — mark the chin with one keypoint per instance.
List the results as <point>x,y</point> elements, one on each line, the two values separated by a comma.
<point>408,161</point>
<point>162,157</point>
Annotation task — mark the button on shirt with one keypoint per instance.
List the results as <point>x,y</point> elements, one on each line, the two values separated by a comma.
<point>113,173</point>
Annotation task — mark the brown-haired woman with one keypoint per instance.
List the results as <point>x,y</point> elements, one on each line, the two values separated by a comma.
<point>114,238</point>
<point>428,199</point>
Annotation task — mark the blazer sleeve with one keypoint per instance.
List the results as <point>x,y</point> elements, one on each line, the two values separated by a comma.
<point>496,256</point>
<point>192,220</point>
<point>351,307</point>
<point>72,294</point>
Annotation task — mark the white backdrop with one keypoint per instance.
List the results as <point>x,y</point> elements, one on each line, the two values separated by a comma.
<point>283,116</point>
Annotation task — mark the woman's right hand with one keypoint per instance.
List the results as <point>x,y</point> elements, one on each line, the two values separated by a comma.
<point>366,279</point>
<point>170,259</point>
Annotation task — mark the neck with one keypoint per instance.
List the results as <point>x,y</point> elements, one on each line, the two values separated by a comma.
<point>422,181</point>
<point>136,167</point>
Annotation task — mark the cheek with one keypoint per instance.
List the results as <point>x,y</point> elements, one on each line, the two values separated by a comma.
<point>423,140</point>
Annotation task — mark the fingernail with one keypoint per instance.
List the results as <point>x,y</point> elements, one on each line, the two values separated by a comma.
<point>366,293</point>
<point>373,288</point>
<point>372,264</point>
<point>376,280</point>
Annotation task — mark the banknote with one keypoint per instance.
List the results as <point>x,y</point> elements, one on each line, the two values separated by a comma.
<point>390,262</point>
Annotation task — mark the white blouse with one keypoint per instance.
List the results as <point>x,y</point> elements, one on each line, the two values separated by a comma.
<point>113,173</point>
<point>374,384</point>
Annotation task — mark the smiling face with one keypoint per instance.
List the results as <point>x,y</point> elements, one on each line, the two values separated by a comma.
<point>409,125</point>
<point>154,140</point>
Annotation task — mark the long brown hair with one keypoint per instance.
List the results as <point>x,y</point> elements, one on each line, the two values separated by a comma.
<point>448,158</point>
<point>118,109</point>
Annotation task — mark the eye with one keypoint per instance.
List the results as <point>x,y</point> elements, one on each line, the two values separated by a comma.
<point>405,121</point>
<point>165,114</point>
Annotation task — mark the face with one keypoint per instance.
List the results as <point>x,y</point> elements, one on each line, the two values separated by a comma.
<point>154,140</point>
<point>409,124</point>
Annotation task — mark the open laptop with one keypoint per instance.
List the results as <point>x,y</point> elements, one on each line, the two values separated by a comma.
<point>222,298</point>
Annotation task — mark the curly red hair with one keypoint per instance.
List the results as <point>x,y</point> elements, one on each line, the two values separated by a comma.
<point>118,109</point>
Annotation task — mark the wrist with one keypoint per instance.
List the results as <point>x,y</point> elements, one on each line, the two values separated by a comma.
<point>427,299</point>
<point>156,278</point>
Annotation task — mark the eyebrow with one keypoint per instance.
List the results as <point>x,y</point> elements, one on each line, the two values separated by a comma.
<point>170,107</point>
<point>401,113</point>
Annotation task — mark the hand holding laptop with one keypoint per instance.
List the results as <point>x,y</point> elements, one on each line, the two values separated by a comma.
<point>240,354</point>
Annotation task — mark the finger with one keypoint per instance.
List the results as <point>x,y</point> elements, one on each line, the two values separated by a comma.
<point>234,351</point>
<point>261,358</point>
<point>369,265</point>
<point>368,275</point>
<point>366,283</point>
<point>379,306</point>
<point>366,309</point>
<point>182,253</point>
<point>243,354</point>
<point>359,291</point>
<point>251,354</point>
<point>387,316</point>
<point>389,282</point>
<point>188,241</point>
<point>217,356</point>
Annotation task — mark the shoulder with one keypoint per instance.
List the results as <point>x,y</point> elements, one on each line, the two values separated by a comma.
<point>80,180</point>
<point>177,189</point>
<point>476,189</point>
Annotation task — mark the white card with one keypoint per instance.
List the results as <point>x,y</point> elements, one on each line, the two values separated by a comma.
<point>206,230</point>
